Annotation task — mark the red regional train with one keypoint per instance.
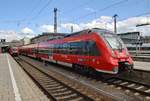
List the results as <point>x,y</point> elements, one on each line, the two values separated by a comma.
<point>92,49</point>
<point>14,51</point>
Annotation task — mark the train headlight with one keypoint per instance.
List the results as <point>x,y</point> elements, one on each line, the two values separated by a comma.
<point>113,54</point>
<point>115,70</point>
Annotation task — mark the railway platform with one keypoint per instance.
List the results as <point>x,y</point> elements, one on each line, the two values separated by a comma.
<point>140,65</point>
<point>15,84</point>
<point>141,58</point>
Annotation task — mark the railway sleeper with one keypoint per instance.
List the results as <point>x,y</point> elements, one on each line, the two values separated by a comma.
<point>61,93</point>
<point>60,90</point>
<point>47,81</point>
<point>55,88</point>
<point>44,77</point>
<point>124,83</point>
<point>148,91</point>
<point>52,85</point>
<point>140,87</point>
<point>67,97</point>
<point>117,81</point>
<point>77,99</point>
<point>131,85</point>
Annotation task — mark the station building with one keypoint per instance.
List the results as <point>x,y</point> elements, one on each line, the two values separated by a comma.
<point>134,38</point>
<point>3,48</point>
<point>3,45</point>
<point>146,39</point>
<point>130,37</point>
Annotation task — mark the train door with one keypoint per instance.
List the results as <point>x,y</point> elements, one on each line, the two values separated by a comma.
<point>37,51</point>
<point>92,53</point>
<point>87,52</point>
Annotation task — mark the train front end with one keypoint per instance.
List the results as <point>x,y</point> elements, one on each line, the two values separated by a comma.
<point>116,54</point>
<point>13,51</point>
<point>119,52</point>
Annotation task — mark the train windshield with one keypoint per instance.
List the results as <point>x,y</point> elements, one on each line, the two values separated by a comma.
<point>111,39</point>
<point>114,41</point>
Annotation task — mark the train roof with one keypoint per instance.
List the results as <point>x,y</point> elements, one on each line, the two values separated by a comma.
<point>88,31</point>
<point>83,32</point>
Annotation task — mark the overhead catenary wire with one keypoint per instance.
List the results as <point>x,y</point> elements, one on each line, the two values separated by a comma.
<point>72,9</point>
<point>35,7</point>
<point>145,14</point>
<point>41,10</point>
<point>18,22</point>
<point>80,17</point>
<point>77,7</point>
<point>102,9</point>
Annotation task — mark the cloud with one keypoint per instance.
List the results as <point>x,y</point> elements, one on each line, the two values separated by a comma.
<point>8,35</point>
<point>106,22</point>
<point>102,22</point>
<point>47,28</point>
<point>129,25</point>
<point>26,30</point>
<point>68,26</point>
<point>27,35</point>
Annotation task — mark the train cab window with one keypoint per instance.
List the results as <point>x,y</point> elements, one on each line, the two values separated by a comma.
<point>93,50</point>
<point>113,41</point>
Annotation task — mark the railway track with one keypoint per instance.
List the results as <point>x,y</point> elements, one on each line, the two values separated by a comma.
<point>126,84</point>
<point>135,86</point>
<point>53,88</point>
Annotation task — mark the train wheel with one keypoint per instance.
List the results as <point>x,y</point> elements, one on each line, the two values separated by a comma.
<point>75,67</point>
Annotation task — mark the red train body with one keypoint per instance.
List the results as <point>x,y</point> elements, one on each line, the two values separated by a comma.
<point>92,49</point>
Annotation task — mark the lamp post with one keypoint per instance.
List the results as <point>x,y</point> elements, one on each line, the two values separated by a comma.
<point>115,23</point>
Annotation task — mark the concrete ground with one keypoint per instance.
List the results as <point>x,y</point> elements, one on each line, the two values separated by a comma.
<point>15,84</point>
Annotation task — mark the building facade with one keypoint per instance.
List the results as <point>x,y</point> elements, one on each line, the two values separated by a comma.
<point>130,37</point>
<point>134,38</point>
<point>146,39</point>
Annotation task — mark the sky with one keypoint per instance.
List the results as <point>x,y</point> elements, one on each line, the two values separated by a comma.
<point>29,18</point>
